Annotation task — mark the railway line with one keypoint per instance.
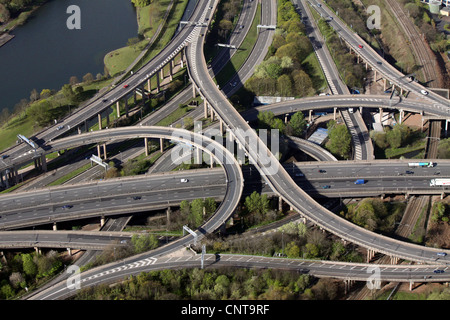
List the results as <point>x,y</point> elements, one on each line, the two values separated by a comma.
<point>422,52</point>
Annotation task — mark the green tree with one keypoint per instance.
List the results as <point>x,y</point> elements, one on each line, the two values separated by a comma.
<point>40,112</point>
<point>298,124</point>
<point>339,141</point>
<point>29,267</point>
<point>256,203</point>
<point>144,242</point>
<point>195,217</point>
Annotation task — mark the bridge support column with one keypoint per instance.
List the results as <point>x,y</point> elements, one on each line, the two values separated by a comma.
<point>38,250</point>
<point>79,130</point>
<point>99,152</point>
<point>171,69</point>
<point>99,116</point>
<point>118,109</point>
<point>334,113</point>
<point>102,221</point>
<point>104,151</point>
<point>384,84</point>
<point>212,113</point>
<point>126,107</point>
<point>194,93</point>
<point>149,85</point>
<point>44,163</point>
<point>280,204</point>
<point>411,285</point>
<point>394,260</point>
<point>375,76</point>
<point>198,156</point>
<point>161,145</point>
<point>146,146</point>
<point>55,228</point>
<point>370,254</point>
<point>157,84</point>
<point>221,126</point>
<point>286,118</point>
<point>442,195</point>
<point>205,109</point>
<point>161,73</point>
<point>347,285</point>
<point>401,116</point>
<point>168,212</point>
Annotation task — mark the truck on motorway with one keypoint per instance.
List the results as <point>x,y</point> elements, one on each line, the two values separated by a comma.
<point>421,164</point>
<point>439,182</point>
<point>360,181</point>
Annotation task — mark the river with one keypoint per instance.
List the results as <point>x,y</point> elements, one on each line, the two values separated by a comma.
<point>45,53</point>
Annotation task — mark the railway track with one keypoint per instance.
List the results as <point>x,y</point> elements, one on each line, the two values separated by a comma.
<point>434,134</point>
<point>422,52</point>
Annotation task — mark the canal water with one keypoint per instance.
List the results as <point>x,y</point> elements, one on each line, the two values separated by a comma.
<point>45,53</point>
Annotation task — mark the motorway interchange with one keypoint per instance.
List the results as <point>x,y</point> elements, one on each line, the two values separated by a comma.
<point>227,184</point>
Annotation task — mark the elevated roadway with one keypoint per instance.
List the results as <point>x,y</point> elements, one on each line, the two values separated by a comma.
<point>279,180</point>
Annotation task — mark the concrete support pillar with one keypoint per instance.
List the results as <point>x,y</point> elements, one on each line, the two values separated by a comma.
<point>157,84</point>
<point>384,84</point>
<point>38,250</point>
<point>134,96</point>
<point>99,152</point>
<point>146,146</point>
<point>171,70</point>
<point>55,228</point>
<point>334,113</point>
<point>401,116</point>
<point>310,115</point>
<point>212,113</point>
<point>102,221</point>
<point>182,59</point>
<point>126,107</point>
<point>107,120</point>
<point>411,285</point>
<point>99,116</point>
<point>394,260</point>
<point>79,130</point>
<point>286,118</point>
<point>69,251</point>
<point>194,93</point>
<point>370,254</point>
<point>280,204</point>
<point>161,73</point>
<point>375,75</point>
<point>104,151</point>
<point>149,85</point>
<point>205,108</point>
<point>168,212</point>
<point>118,109</point>
<point>44,163</point>
<point>221,126</point>
<point>161,145</point>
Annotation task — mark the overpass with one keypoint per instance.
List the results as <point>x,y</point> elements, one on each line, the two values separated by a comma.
<point>278,179</point>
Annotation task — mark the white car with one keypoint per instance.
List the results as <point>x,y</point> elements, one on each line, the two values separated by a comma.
<point>184,180</point>
<point>424,92</point>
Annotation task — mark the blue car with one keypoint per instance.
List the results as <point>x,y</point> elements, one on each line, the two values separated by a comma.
<point>326,187</point>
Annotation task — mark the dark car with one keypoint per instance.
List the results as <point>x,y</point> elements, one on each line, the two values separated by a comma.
<point>67,206</point>
<point>326,187</point>
<point>137,198</point>
<point>409,172</point>
<point>438,271</point>
<point>321,171</point>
